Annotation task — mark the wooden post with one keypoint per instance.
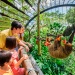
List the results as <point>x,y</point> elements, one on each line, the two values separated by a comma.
<point>38,28</point>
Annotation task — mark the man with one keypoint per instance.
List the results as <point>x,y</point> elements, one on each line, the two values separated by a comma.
<point>13,31</point>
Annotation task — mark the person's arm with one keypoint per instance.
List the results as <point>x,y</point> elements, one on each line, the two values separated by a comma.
<point>26,47</point>
<point>21,43</point>
<point>27,43</point>
<point>2,40</point>
<point>18,63</point>
<point>20,48</point>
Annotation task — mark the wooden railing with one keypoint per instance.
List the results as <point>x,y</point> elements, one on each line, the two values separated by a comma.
<point>27,64</point>
<point>30,65</point>
<point>35,66</point>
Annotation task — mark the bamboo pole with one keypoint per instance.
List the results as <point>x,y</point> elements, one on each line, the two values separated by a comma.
<point>4,26</point>
<point>4,21</point>
<point>38,28</point>
<point>29,36</point>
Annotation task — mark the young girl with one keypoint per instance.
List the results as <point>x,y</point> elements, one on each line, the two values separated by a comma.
<point>5,61</point>
<point>11,44</point>
<point>21,34</point>
<point>21,37</point>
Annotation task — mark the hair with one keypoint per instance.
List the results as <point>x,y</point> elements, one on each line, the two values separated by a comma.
<point>16,24</point>
<point>10,42</point>
<point>5,56</point>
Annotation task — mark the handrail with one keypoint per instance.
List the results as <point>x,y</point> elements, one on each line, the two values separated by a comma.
<point>37,69</point>
<point>27,64</point>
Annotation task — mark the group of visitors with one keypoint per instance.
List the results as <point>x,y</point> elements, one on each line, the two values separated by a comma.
<point>11,43</point>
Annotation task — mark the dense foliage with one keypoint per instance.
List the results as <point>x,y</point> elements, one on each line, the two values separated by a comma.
<point>50,22</point>
<point>53,66</point>
<point>70,16</point>
<point>50,65</point>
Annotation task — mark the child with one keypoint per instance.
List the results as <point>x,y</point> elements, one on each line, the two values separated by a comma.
<point>11,44</point>
<point>21,36</point>
<point>5,61</point>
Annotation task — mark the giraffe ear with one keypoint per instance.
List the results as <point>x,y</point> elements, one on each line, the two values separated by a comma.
<point>68,31</point>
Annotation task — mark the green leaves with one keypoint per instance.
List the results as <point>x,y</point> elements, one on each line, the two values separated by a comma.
<point>53,66</point>
<point>70,16</point>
